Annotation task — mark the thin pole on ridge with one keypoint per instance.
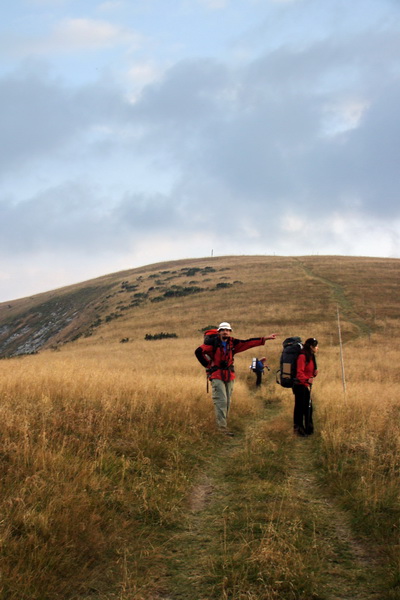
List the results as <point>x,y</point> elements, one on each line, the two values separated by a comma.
<point>341,352</point>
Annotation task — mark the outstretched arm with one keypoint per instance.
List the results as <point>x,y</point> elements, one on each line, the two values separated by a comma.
<point>242,345</point>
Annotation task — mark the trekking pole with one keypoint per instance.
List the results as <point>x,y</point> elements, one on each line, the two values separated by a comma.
<point>308,419</point>
<point>341,353</point>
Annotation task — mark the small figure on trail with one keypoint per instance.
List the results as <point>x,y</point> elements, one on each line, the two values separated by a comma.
<point>217,356</point>
<point>305,373</point>
<point>257,366</point>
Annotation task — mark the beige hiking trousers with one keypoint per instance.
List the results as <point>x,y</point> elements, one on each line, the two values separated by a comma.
<point>221,395</point>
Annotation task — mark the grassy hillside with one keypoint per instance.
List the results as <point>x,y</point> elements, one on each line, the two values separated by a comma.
<point>251,291</point>
<point>114,483</point>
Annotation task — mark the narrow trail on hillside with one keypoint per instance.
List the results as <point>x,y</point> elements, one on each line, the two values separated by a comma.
<point>350,567</point>
<point>349,571</point>
<point>344,304</point>
<point>190,553</point>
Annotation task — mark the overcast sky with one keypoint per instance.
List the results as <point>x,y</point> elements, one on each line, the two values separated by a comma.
<point>137,131</point>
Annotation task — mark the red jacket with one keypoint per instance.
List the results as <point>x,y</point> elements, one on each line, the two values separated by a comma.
<point>219,361</point>
<point>305,371</point>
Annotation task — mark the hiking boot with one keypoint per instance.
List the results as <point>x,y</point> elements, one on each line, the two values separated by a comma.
<point>226,432</point>
<point>300,432</point>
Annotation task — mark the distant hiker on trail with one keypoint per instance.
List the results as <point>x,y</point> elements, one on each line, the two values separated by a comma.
<point>305,373</point>
<point>217,356</point>
<point>257,366</point>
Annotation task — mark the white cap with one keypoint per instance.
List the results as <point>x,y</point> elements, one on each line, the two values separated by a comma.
<point>224,325</point>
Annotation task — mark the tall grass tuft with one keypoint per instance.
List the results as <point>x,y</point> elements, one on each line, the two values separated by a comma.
<point>360,439</point>
<point>92,455</point>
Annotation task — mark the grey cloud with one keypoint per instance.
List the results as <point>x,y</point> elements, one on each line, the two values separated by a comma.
<point>57,219</point>
<point>34,117</point>
<point>188,92</point>
<point>359,165</point>
<point>268,139</point>
<point>139,213</point>
<point>375,150</point>
<point>237,138</point>
<point>39,116</point>
<point>76,217</point>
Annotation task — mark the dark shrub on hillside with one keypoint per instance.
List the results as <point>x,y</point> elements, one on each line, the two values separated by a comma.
<point>223,285</point>
<point>112,316</point>
<point>159,336</point>
<point>178,291</point>
<point>129,287</point>
<point>191,272</point>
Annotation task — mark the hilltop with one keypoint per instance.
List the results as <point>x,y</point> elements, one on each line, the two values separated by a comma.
<point>249,290</point>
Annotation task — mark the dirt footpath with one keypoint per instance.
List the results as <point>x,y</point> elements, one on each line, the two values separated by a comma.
<point>217,554</point>
<point>350,567</point>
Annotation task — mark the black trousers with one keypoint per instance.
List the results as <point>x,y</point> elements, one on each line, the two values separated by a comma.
<point>302,415</point>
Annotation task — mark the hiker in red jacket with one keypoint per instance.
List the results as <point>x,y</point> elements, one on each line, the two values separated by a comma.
<point>218,359</point>
<point>305,374</point>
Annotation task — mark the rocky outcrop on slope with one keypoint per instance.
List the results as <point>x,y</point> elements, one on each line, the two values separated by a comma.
<point>54,320</point>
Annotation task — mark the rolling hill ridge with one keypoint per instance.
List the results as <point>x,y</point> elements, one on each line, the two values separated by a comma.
<point>239,286</point>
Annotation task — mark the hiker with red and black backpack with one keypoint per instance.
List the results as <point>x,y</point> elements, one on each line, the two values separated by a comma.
<point>216,354</point>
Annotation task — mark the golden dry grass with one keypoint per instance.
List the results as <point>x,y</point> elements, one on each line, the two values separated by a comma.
<point>100,442</point>
<point>361,435</point>
<point>97,447</point>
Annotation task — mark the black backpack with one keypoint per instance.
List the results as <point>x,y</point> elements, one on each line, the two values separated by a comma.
<point>286,374</point>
